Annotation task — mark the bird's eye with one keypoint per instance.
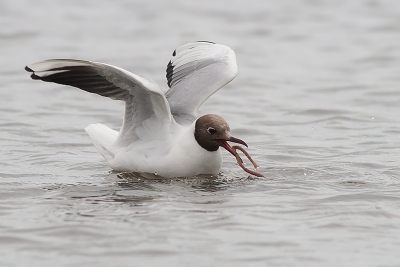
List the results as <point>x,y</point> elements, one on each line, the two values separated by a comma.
<point>211,130</point>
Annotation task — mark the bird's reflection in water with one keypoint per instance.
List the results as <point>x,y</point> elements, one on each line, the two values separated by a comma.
<point>152,182</point>
<point>145,188</point>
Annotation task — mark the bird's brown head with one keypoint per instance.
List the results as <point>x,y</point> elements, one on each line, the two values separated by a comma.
<point>212,131</point>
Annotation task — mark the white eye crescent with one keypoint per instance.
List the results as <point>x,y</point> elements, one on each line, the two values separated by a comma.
<point>211,130</point>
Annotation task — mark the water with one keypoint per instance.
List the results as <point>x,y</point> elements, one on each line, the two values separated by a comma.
<point>317,99</point>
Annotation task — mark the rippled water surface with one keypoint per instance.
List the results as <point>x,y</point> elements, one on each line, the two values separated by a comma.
<point>316,98</point>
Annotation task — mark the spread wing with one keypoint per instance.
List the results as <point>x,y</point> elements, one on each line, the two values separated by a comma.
<point>195,72</point>
<point>147,111</point>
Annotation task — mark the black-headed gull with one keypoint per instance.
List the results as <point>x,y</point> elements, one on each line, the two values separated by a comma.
<point>161,132</point>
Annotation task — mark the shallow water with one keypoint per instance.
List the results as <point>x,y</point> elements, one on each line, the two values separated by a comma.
<point>316,98</point>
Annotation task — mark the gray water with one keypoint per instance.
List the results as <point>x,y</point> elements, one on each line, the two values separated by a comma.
<point>316,98</point>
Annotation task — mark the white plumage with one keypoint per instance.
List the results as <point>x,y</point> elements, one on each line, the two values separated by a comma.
<point>157,135</point>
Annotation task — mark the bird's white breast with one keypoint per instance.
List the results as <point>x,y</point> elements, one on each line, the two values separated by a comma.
<point>180,157</point>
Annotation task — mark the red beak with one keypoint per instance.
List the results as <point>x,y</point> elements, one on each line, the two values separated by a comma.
<point>225,144</point>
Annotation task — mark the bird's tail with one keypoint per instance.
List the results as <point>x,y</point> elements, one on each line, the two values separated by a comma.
<point>103,138</point>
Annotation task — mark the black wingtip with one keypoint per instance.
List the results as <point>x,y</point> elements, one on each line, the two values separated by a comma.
<point>28,69</point>
<point>35,77</point>
<point>170,70</point>
<point>205,42</point>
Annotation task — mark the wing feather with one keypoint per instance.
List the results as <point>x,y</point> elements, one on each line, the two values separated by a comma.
<point>195,72</point>
<point>144,100</point>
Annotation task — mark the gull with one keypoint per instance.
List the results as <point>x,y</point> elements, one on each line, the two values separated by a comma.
<point>161,133</point>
